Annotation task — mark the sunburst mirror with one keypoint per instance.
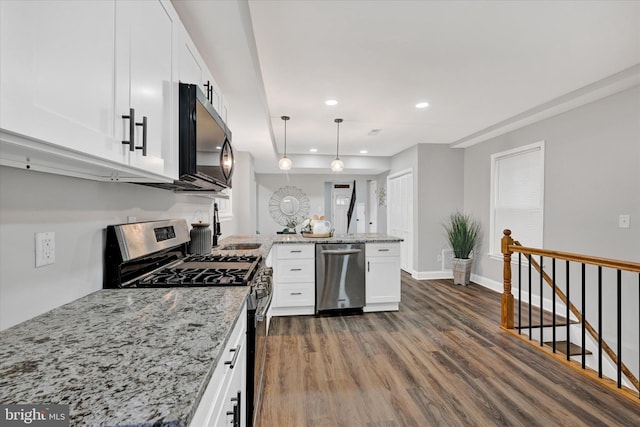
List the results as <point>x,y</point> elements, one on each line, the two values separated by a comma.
<point>289,205</point>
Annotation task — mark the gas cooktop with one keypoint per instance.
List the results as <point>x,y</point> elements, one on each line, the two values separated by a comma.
<point>153,254</point>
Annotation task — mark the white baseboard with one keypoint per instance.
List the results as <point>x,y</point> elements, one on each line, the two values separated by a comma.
<point>431,275</point>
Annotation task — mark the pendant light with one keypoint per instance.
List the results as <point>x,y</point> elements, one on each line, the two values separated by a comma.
<point>337,165</point>
<point>285,163</point>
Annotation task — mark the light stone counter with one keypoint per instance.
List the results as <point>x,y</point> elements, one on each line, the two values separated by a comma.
<point>135,357</point>
<point>338,238</point>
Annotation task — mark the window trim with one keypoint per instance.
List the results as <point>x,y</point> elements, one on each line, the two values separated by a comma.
<point>495,249</point>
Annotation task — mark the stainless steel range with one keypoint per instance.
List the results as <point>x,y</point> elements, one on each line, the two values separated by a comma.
<point>154,254</point>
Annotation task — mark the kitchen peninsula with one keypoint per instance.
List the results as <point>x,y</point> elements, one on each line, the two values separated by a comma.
<point>294,261</point>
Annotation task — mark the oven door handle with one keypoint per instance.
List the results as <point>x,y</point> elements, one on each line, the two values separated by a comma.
<point>261,311</point>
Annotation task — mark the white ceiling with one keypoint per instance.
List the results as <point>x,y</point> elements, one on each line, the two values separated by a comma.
<point>478,63</point>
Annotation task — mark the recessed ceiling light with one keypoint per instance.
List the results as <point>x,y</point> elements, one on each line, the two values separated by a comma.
<point>218,148</point>
<point>422,105</point>
<point>331,102</point>
<point>374,132</point>
<point>363,151</point>
<point>313,150</point>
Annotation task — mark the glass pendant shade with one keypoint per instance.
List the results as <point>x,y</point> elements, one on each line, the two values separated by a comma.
<point>337,165</point>
<point>285,163</point>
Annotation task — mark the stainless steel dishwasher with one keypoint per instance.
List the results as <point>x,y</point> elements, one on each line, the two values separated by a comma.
<point>340,276</point>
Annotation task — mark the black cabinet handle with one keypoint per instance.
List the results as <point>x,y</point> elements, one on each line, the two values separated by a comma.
<point>209,87</point>
<point>132,129</point>
<point>232,362</point>
<point>143,147</point>
<point>295,252</point>
<point>295,293</point>
<point>368,266</point>
<point>295,269</point>
<point>236,409</point>
<point>383,250</point>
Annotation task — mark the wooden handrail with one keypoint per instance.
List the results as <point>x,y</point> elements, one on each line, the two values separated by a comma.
<point>509,246</point>
<point>586,259</point>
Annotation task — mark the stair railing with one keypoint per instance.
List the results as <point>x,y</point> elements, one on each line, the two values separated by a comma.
<point>510,246</point>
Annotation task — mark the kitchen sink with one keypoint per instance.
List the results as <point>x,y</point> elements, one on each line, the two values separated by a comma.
<point>240,246</point>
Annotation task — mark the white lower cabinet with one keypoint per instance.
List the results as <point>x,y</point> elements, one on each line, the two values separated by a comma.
<point>382,277</point>
<point>294,278</point>
<point>223,402</point>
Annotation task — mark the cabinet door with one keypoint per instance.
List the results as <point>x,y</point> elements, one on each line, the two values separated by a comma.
<point>383,280</point>
<point>57,74</point>
<point>144,78</point>
<point>232,411</point>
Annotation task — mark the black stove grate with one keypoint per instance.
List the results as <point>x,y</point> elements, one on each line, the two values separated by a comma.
<point>196,277</point>
<point>221,258</point>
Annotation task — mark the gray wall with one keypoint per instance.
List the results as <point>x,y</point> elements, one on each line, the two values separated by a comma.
<point>243,198</point>
<point>592,175</point>
<point>440,187</point>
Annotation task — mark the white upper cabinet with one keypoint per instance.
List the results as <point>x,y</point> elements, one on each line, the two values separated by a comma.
<point>144,79</point>
<point>71,70</point>
<point>193,70</point>
<point>57,82</point>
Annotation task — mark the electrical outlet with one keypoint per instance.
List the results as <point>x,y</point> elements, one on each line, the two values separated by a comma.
<point>45,248</point>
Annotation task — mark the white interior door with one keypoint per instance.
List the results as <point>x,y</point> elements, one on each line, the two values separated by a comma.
<point>400,214</point>
<point>360,218</point>
<point>340,198</point>
<point>373,206</point>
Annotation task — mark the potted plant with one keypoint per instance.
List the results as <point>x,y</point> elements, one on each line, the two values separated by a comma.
<point>463,233</point>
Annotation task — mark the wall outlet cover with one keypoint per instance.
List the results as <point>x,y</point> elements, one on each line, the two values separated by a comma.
<point>45,248</point>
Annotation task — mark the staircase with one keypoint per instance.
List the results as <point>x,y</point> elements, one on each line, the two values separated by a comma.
<point>560,287</point>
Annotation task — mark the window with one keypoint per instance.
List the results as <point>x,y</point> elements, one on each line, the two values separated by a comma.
<point>517,196</point>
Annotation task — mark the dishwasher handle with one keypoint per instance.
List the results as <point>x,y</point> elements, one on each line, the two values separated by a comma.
<point>340,251</point>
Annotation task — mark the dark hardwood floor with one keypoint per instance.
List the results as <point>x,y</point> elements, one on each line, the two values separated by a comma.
<point>442,360</point>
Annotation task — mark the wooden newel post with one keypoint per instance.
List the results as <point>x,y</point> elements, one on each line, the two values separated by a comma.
<point>506,316</point>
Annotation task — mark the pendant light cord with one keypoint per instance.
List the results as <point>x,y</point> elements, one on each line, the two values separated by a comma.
<point>338,121</point>
<point>285,118</point>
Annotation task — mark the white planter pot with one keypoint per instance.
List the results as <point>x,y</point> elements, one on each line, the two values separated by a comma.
<point>461,270</point>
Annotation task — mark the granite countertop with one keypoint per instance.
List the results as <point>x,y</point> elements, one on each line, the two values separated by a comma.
<point>138,357</point>
<point>337,238</point>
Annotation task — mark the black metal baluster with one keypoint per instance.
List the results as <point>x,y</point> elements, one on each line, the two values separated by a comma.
<point>541,308</point>
<point>619,328</point>
<point>553,302</point>
<point>519,293</point>
<point>567,312</point>
<point>600,321</point>
<point>530,305</point>
<point>584,317</point>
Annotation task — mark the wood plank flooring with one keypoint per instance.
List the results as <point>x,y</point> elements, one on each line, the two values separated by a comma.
<point>442,360</point>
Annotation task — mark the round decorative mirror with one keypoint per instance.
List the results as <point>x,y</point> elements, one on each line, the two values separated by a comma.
<point>289,206</point>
